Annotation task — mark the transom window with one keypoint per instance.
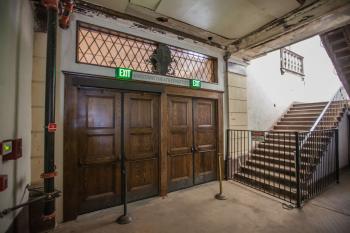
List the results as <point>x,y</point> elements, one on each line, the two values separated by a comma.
<point>291,62</point>
<point>103,47</point>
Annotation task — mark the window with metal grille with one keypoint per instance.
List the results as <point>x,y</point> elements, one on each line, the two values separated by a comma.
<point>104,47</point>
<point>291,62</point>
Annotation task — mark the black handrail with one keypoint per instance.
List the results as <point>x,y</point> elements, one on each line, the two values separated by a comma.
<point>276,162</point>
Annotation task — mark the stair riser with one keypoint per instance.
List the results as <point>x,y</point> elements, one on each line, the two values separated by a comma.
<point>287,170</point>
<point>296,123</point>
<point>310,104</point>
<point>319,107</point>
<point>298,114</point>
<point>297,119</point>
<point>317,112</point>
<point>313,109</point>
<point>280,155</point>
<point>276,147</point>
<point>285,163</point>
<point>266,187</point>
<point>274,161</point>
<point>291,137</point>
<point>280,142</point>
<point>292,127</point>
<point>269,177</point>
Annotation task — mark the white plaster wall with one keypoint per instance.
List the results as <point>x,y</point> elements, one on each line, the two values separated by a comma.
<point>16,40</point>
<point>270,93</point>
<point>66,62</point>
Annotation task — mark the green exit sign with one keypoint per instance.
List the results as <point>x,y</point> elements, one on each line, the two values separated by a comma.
<point>123,73</point>
<point>195,84</point>
<point>7,147</point>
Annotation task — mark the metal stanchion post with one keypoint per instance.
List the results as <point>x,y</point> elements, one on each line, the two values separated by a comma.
<point>125,218</point>
<point>220,196</point>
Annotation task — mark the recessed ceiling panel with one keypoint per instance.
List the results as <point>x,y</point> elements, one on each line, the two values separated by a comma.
<point>150,4</point>
<point>228,18</point>
<point>117,5</point>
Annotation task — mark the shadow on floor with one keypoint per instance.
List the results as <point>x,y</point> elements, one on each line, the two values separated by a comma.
<point>195,210</point>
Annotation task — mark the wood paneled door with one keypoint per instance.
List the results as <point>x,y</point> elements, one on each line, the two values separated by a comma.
<point>192,141</point>
<point>98,141</point>
<point>205,143</point>
<point>141,122</point>
<point>98,134</point>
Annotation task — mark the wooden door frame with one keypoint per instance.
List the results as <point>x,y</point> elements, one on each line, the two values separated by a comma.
<point>74,80</point>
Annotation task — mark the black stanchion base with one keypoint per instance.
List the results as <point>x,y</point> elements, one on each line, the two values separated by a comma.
<point>220,196</point>
<point>124,219</point>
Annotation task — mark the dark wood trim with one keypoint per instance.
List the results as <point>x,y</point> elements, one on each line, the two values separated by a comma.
<point>87,80</point>
<point>220,133</point>
<point>70,189</point>
<point>163,144</point>
<point>137,85</point>
<point>183,91</point>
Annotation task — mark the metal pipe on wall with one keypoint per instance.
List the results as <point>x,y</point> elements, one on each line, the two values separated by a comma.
<point>50,126</point>
<point>226,57</point>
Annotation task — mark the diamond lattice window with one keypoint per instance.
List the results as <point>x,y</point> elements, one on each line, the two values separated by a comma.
<point>102,47</point>
<point>291,62</point>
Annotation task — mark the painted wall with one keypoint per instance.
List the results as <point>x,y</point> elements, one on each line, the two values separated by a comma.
<point>16,40</point>
<point>270,94</point>
<point>237,92</point>
<point>67,62</point>
<point>38,107</point>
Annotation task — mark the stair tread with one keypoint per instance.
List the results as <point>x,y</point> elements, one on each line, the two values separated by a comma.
<point>283,121</point>
<point>273,184</point>
<point>273,151</point>
<point>285,160</point>
<point>307,104</point>
<point>279,166</point>
<point>277,145</point>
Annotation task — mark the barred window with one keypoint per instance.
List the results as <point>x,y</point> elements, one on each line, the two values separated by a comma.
<point>291,62</point>
<point>104,47</point>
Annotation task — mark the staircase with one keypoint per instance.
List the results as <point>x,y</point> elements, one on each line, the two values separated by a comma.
<point>268,161</point>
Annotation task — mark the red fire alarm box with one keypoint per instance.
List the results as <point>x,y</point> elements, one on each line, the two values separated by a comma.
<point>11,149</point>
<point>3,182</point>
<point>52,127</point>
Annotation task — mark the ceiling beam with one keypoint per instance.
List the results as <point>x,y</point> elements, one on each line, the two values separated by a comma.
<point>300,24</point>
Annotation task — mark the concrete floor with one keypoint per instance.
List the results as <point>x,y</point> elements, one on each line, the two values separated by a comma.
<point>195,210</point>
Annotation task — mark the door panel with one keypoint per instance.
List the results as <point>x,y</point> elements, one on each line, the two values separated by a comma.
<point>141,121</point>
<point>98,149</point>
<point>205,135</point>
<point>180,141</point>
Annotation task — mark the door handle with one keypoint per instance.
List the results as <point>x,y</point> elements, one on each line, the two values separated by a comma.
<point>193,149</point>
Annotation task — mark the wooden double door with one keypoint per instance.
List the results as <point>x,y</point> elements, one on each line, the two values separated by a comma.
<point>192,141</point>
<point>99,132</point>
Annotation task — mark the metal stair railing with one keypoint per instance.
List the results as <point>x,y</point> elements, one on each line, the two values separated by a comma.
<point>323,165</point>
<point>331,110</point>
